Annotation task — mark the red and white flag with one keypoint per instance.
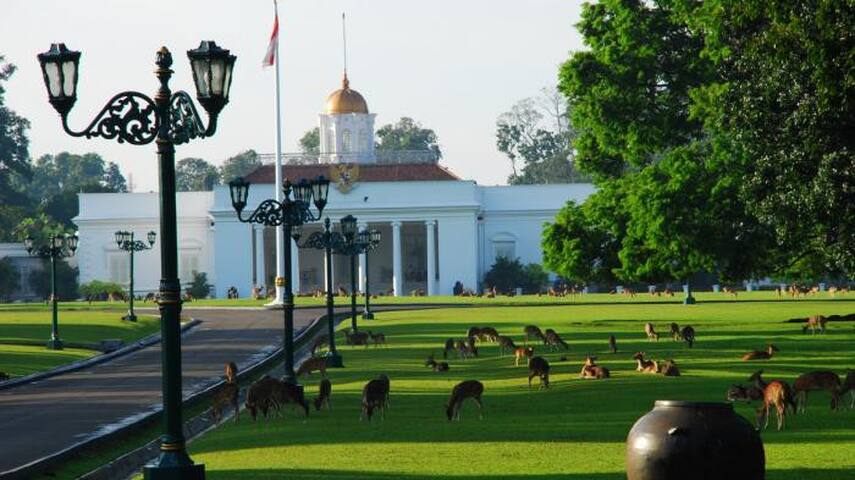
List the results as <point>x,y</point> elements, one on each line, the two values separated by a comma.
<point>270,56</point>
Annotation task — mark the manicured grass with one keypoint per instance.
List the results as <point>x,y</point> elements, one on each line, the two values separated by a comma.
<point>576,429</point>
<point>18,360</point>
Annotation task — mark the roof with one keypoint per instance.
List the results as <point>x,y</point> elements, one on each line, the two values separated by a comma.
<point>346,100</point>
<point>404,172</point>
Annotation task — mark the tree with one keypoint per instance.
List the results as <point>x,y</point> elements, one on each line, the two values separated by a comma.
<point>9,278</point>
<point>195,174</point>
<point>407,134</point>
<point>14,152</point>
<point>506,275</point>
<point>536,132</point>
<point>239,165</point>
<point>114,181</point>
<point>199,287</point>
<point>310,142</point>
<point>66,280</point>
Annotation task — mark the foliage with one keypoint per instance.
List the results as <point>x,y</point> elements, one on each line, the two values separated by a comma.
<point>537,133</point>
<point>310,142</point>
<point>66,280</point>
<point>506,275</point>
<point>14,143</point>
<point>9,278</point>
<point>407,134</point>
<point>98,290</point>
<point>199,287</point>
<point>239,165</point>
<point>195,175</point>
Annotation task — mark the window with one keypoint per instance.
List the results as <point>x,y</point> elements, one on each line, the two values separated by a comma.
<point>119,267</point>
<point>363,141</point>
<point>504,248</point>
<point>188,266</point>
<point>346,141</point>
<point>328,141</point>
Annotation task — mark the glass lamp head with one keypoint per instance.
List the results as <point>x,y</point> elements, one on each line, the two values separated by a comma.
<point>59,70</point>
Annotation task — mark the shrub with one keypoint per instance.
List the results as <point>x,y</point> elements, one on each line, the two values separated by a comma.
<point>98,290</point>
<point>199,287</point>
<point>506,275</point>
<point>8,278</point>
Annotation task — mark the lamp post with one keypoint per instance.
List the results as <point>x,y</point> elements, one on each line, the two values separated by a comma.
<point>371,240</point>
<point>354,243</point>
<point>58,246</point>
<point>328,241</point>
<point>291,214</point>
<point>169,119</point>
<point>125,241</point>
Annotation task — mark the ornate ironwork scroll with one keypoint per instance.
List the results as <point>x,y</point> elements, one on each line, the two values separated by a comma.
<point>127,117</point>
<point>185,122</point>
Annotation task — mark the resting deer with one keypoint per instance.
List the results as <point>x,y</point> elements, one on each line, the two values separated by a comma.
<point>675,331</point>
<point>612,344</point>
<point>740,393</point>
<point>522,353</point>
<point>466,389</point>
<point>688,335</point>
<point>819,380</point>
<point>374,398</point>
<point>533,332</point>
<point>324,391</point>
<point>650,332</point>
<point>538,367</point>
<point>227,396</point>
<point>645,366</point>
<point>592,370</point>
<point>506,344</point>
<point>669,368</point>
<point>312,364</point>
<point>377,338</point>
<point>815,322</point>
<point>758,355</point>
<point>436,366</point>
<point>554,341</point>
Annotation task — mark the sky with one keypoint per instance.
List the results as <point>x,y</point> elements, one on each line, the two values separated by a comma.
<point>453,65</point>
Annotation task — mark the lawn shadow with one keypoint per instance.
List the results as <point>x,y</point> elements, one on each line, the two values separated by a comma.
<point>319,474</point>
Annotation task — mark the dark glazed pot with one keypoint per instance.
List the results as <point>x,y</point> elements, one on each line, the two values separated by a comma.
<point>694,441</point>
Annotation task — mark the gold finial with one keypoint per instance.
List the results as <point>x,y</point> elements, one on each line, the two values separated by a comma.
<point>345,83</point>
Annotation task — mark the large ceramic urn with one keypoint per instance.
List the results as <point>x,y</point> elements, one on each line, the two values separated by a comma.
<point>694,441</point>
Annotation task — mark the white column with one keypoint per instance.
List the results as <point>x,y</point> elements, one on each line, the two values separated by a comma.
<point>295,267</point>
<point>260,272</point>
<point>430,233</point>
<point>397,270</point>
<point>362,271</point>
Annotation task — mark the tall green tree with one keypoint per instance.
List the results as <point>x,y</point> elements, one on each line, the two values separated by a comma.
<point>407,134</point>
<point>310,142</point>
<point>195,175</point>
<point>9,278</point>
<point>239,165</point>
<point>14,157</point>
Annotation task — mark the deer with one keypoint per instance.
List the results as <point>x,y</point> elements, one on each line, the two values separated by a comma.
<point>312,364</point>
<point>448,347</point>
<point>533,332</point>
<point>645,366</point>
<point>377,338</point>
<point>356,338</point>
<point>669,368</point>
<point>849,387</point>
<point>740,393</point>
<point>757,379</point>
<point>323,398</point>
<point>688,335</point>
<point>473,332</point>
<point>321,342</point>
<point>592,370</point>
<point>374,398</point>
<point>612,344</point>
<point>554,341</point>
<point>227,396</point>
<point>466,389</point>
<point>260,397</point>
<point>505,344</point>
<point>287,392</point>
<point>675,332</point>
<point>436,366</point>
<point>538,367</point>
<point>522,352</point>
<point>775,394</point>
<point>818,380</point>
<point>468,349</point>
<point>650,332</point>
<point>815,322</point>
<point>489,334</point>
<point>760,355</point>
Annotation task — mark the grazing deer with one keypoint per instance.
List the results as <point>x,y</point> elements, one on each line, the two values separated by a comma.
<point>612,344</point>
<point>489,334</point>
<point>311,364</point>
<point>466,389</point>
<point>374,398</point>
<point>740,393</point>
<point>758,355</point>
<point>356,338</point>
<point>592,370</point>
<point>436,366</point>
<point>227,396</point>
<point>377,338</point>
<point>538,367</point>
<point>468,349</point>
<point>650,332</point>
<point>522,352</point>
<point>324,391</point>
<point>815,322</point>
<point>849,387</point>
<point>473,332</point>
<point>669,368</point>
<point>819,380</point>
<point>505,344</point>
<point>554,341</point>
<point>385,380</point>
<point>645,366</point>
<point>260,397</point>
<point>675,332</point>
<point>688,335</point>
<point>775,394</point>
<point>448,347</point>
<point>533,332</point>
<point>286,392</point>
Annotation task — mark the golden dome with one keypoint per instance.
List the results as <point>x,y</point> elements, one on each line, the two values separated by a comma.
<point>345,100</point>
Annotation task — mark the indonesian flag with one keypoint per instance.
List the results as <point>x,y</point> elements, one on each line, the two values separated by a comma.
<point>270,56</point>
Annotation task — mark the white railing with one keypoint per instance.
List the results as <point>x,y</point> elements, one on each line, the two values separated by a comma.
<point>383,157</point>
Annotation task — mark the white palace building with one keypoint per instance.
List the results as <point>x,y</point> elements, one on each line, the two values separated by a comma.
<point>436,228</point>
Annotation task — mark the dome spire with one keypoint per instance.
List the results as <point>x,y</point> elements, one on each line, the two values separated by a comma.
<point>345,84</point>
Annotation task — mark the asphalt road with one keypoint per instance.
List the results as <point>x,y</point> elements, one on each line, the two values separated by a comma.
<point>47,416</point>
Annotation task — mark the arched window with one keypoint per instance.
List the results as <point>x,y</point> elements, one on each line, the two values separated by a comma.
<point>328,141</point>
<point>346,145</point>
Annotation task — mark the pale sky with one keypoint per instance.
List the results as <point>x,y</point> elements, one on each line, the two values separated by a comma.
<point>453,65</point>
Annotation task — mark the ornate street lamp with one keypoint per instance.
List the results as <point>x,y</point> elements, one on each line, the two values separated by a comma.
<point>169,119</point>
<point>328,241</point>
<point>354,244</point>
<point>291,214</point>
<point>58,246</point>
<point>125,241</point>
<point>371,240</point>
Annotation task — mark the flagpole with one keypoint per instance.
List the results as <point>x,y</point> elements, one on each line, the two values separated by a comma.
<point>280,231</point>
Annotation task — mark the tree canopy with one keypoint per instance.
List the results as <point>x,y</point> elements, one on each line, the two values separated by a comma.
<point>239,165</point>
<point>310,142</point>
<point>195,175</point>
<point>407,134</point>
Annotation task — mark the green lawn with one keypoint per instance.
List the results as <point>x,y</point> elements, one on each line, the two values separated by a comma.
<point>24,330</point>
<point>575,430</point>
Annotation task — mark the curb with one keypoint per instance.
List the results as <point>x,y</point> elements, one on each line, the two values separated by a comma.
<point>95,360</point>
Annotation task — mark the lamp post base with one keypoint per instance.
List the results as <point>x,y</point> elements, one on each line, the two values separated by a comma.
<point>175,472</point>
<point>130,317</point>
<point>690,300</point>
<point>54,344</point>
<point>275,305</point>
<point>333,360</point>
<point>367,316</point>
